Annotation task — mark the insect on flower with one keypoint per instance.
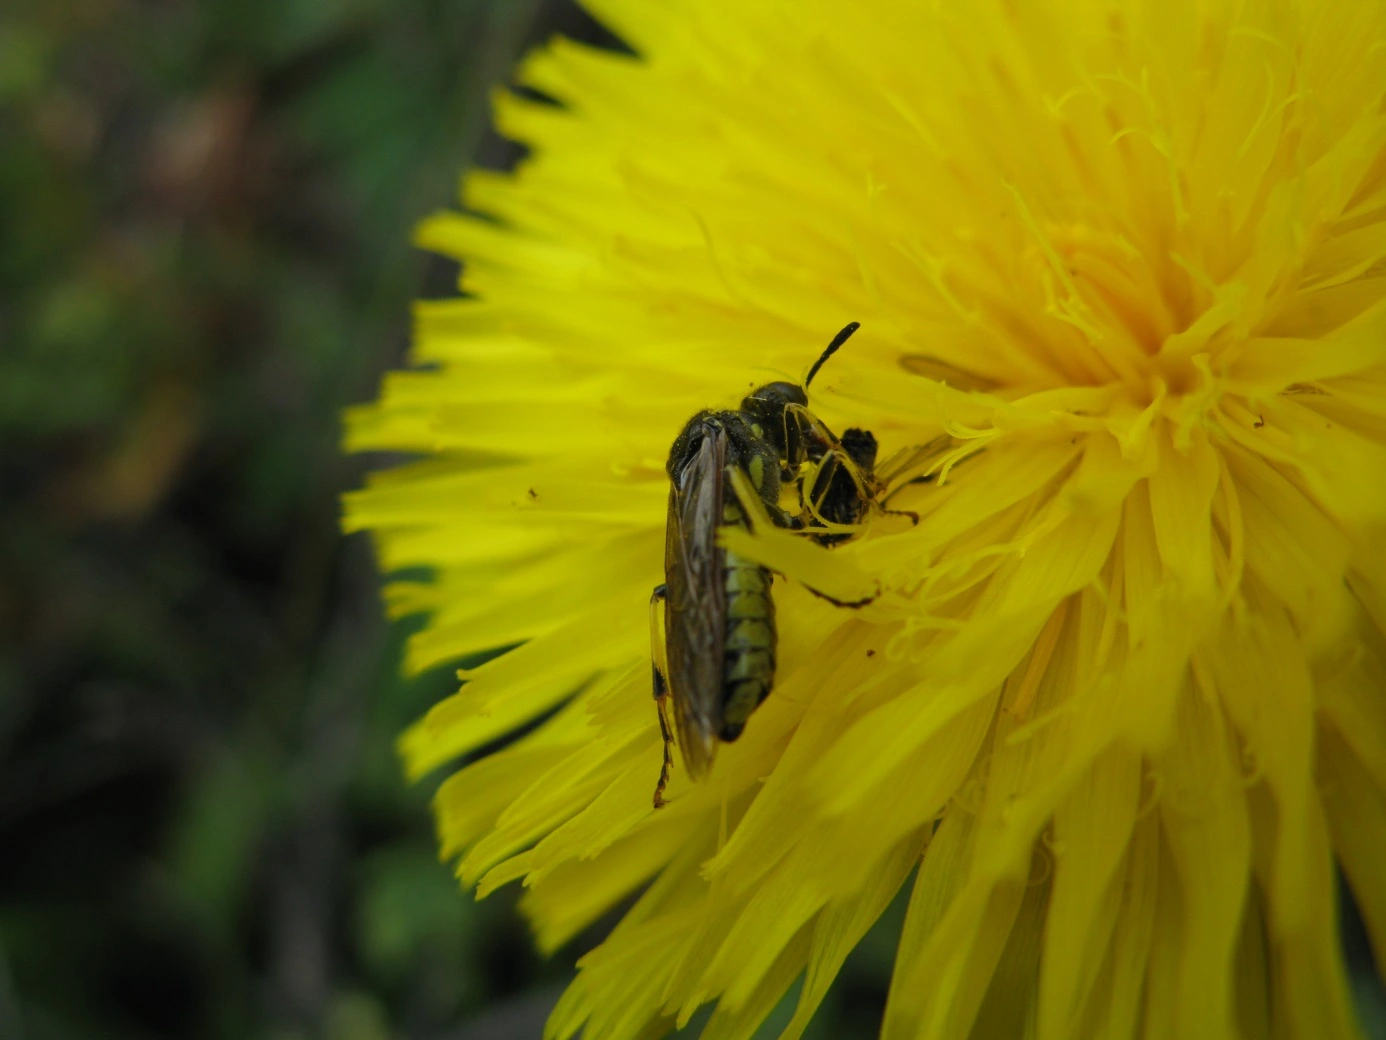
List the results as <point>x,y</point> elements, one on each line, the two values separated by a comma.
<point>716,659</point>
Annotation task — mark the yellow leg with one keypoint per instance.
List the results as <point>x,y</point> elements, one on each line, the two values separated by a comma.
<point>659,668</point>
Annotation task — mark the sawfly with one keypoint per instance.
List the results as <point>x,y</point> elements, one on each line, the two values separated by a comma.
<point>715,659</point>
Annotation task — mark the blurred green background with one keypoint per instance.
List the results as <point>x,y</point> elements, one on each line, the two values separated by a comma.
<point>205,212</point>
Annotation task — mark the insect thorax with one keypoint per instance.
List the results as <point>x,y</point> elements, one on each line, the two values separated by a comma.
<point>751,452</point>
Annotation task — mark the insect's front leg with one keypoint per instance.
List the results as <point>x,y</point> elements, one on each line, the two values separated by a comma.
<point>806,438</point>
<point>659,669</point>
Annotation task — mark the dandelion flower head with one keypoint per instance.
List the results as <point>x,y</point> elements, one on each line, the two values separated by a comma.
<point>1115,714</point>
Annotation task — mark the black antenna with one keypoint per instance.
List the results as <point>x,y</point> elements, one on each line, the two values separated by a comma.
<point>841,338</point>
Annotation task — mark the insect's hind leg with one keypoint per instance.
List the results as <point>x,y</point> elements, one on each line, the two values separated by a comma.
<point>662,706</point>
<point>659,669</point>
<point>851,604</point>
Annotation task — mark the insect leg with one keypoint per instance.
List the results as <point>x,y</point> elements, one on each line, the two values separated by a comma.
<point>658,665</point>
<point>662,706</point>
<point>659,668</point>
<point>817,483</point>
<point>851,604</point>
<point>836,496</point>
<point>810,437</point>
<point>822,443</point>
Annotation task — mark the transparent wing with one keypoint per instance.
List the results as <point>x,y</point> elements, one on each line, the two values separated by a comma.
<point>695,630</point>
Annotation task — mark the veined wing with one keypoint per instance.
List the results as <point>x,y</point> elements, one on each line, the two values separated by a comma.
<point>696,622</point>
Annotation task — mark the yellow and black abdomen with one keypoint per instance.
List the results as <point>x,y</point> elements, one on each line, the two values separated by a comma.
<point>749,650</point>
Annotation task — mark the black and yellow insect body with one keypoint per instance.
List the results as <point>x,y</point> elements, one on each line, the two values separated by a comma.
<point>840,486</point>
<point>715,659</point>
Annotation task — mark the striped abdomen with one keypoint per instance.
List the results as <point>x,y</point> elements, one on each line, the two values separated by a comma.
<point>749,652</point>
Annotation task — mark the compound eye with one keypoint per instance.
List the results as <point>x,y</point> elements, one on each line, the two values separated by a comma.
<point>773,397</point>
<point>789,393</point>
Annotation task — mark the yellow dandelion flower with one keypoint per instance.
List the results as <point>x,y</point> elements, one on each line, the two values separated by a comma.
<point>1117,710</point>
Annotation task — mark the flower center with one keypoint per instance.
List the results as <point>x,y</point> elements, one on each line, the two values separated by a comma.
<point>1132,317</point>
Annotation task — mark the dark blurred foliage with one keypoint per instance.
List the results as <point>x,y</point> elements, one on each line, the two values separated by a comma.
<point>205,212</point>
